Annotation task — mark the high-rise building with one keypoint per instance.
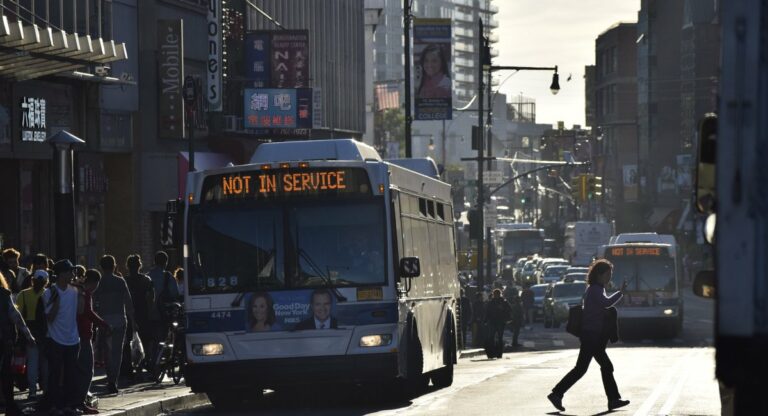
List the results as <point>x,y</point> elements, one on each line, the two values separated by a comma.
<point>614,93</point>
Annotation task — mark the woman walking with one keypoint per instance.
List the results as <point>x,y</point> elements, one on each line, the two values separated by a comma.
<point>594,337</point>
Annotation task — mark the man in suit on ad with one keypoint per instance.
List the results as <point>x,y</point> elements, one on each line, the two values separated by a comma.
<point>320,302</point>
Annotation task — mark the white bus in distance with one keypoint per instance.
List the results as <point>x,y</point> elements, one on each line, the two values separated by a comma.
<point>319,262</point>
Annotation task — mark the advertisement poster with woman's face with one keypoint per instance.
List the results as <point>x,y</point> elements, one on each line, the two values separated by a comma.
<point>432,63</point>
<point>290,310</point>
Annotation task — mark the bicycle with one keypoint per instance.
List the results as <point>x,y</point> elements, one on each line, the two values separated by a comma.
<point>171,356</point>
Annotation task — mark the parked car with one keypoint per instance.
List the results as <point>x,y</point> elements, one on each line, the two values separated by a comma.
<point>558,299</point>
<point>577,269</point>
<point>572,277</point>
<point>552,273</point>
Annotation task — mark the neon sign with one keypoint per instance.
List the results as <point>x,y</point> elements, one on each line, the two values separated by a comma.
<point>638,251</point>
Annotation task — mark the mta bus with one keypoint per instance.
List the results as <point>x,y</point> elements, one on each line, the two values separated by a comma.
<point>649,263</point>
<point>319,262</point>
<point>514,242</point>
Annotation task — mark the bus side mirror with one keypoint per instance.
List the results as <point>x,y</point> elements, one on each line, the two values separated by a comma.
<point>705,165</point>
<point>410,267</point>
<point>704,284</point>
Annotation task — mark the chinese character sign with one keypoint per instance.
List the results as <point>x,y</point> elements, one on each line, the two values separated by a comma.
<point>277,59</point>
<point>33,124</point>
<point>276,108</point>
<point>432,59</point>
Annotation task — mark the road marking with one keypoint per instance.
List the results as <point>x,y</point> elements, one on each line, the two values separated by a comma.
<point>434,401</point>
<point>529,344</point>
<point>675,394</point>
<point>645,408</point>
<point>558,342</point>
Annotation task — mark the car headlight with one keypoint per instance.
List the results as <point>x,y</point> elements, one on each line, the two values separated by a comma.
<point>379,340</point>
<point>207,349</point>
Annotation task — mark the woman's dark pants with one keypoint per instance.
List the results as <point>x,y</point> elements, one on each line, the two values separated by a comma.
<point>592,346</point>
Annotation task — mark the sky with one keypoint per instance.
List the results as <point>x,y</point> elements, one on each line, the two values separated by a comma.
<point>549,33</point>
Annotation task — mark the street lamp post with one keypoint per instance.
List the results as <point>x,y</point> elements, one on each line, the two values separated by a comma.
<point>485,64</point>
<point>63,143</point>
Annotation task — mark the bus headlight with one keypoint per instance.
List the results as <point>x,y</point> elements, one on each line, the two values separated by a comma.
<point>376,340</point>
<point>669,311</point>
<point>207,349</point>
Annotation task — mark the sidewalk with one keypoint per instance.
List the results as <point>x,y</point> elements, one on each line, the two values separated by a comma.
<point>140,399</point>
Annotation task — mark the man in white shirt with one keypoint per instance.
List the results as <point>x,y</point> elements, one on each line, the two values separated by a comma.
<point>320,303</point>
<point>61,306</point>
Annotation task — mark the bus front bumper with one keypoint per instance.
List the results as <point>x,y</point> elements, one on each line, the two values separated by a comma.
<point>270,373</point>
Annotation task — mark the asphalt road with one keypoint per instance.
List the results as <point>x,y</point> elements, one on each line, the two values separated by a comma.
<point>659,377</point>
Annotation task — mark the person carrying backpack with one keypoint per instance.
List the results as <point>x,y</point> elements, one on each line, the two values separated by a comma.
<point>497,313</point>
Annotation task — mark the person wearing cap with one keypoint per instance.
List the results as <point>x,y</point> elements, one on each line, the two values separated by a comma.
<point>26,302</point>
<point>9,317</point>
<point>61,305</point>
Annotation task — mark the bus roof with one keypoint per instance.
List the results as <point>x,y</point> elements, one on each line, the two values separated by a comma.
<point>654,238</point>
<point>305,150</point>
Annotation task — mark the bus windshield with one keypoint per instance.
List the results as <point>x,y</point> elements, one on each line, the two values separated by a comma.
<point>529,242</point>
<point>652,274</point>
<point>249,246</point>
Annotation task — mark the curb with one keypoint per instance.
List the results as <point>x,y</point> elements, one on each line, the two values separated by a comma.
<point>471,353</point>
<point>156,407</point>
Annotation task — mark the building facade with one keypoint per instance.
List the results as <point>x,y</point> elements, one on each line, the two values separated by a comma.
<point>615,119</point>
<point>59,67</point>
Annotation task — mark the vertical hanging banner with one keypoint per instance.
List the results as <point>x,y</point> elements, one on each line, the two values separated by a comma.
<point>277,59</point>
<point>170,46</point>
<point>432,63</point>
<point>214,67</point>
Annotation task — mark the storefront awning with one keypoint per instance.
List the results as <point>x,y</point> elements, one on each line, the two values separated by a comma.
<point>30,51</point>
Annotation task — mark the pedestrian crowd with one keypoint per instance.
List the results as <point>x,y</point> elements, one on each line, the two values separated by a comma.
<point>486,317</point>
<point>59,321</point>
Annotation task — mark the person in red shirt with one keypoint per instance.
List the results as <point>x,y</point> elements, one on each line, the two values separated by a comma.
<point>86,319</point>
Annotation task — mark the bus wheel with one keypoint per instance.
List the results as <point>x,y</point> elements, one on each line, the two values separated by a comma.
<point>417,381</point>
<point>443,377</point>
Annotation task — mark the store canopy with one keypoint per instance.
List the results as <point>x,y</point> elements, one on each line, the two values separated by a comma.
<point>30,51</point>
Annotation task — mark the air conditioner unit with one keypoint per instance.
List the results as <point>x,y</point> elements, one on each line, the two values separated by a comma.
<point>230,123</point>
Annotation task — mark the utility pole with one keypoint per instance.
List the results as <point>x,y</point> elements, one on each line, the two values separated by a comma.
<point>487,65</point>
<point>480,153</point>
<point>407,37</point>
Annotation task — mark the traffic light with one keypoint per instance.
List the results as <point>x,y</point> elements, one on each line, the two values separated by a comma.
<point>579,188</point>
<point>594,186</point>
<point>475,217</point>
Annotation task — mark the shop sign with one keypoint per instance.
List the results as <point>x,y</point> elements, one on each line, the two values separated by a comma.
<point>33,124</point>
<point>278,111</point>
<point>214,67</point>
<point>277,59</point>
<point>170,44</point>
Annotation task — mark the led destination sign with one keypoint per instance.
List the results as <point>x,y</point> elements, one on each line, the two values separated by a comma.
<point>639,251</point>
<point>272,184</point>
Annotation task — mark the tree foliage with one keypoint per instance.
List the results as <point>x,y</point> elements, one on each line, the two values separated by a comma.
<point>389,126</point>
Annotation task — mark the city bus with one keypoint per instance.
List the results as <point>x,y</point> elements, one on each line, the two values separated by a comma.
<point>516,241</point>
<point>319,262</point>
<point>649,263</point>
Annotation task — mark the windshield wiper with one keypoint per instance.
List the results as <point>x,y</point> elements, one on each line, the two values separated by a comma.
<point>327,280</point>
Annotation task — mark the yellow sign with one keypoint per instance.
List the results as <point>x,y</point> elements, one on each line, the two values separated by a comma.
<point>370,293</point>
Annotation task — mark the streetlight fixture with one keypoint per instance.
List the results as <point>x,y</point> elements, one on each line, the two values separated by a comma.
<point>555,86</point>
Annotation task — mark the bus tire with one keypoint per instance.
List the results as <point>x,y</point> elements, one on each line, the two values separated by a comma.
<point>443,377</point>
<point>416,382</point>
